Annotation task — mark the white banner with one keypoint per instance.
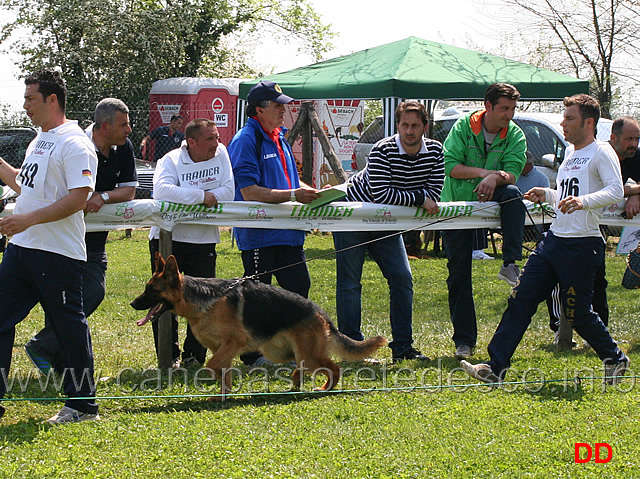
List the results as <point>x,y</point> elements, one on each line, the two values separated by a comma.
<point>337,216</point>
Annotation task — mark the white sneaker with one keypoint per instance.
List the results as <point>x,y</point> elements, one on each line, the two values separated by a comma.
<point>479,254</point>
<point>481,371</point>
<point>67,414</point>
<point>613,372</point>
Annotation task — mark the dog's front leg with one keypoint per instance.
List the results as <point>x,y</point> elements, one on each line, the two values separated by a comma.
<point>220,364</point>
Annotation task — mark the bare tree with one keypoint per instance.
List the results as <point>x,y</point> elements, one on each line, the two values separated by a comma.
<point>598,38</point>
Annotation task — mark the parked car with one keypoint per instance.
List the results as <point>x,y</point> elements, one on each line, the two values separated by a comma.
<point>545,140</point>
<point>145,171</point>
<point>14,141</point>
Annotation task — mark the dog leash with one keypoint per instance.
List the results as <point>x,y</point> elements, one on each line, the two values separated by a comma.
<point>442,220</point>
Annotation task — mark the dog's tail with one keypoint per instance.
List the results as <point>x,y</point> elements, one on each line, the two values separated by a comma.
<point>353,350</point>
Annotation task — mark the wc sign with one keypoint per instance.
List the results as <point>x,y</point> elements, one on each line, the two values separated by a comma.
<point>601,452</point>
<point>221,119</point>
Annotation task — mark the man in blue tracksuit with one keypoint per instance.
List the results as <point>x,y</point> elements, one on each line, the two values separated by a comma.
<point>264,170</point>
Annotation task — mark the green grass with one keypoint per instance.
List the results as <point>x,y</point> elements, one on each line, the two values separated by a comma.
<point>422,420</point>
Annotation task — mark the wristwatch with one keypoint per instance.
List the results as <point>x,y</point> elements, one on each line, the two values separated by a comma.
<point>293,195</point>
<point>105,196</point>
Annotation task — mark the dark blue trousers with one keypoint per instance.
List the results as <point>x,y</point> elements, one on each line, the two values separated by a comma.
<point>94,286</point>
<point>198,260</point>
<point>459,247</point>
<point>571,262</point>
<point>31,276</point>
<point>292,274</point>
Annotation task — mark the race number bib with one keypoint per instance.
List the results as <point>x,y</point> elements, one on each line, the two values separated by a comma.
<point>33,172</point>
<point>573,177</point>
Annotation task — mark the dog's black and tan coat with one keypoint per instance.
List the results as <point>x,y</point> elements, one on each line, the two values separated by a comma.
<point>230,317</point>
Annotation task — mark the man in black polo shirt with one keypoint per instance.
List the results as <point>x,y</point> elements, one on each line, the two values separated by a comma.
<point>167,138</point>
<point>116,182</point>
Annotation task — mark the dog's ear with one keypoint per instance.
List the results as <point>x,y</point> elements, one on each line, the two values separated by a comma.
<point>171,271</point>
<point>159,263</point>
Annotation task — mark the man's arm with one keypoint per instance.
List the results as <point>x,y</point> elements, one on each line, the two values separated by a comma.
<point>305,194</point>
<point>8,174</point>
<point>118,195</point>
<point>64,207</point>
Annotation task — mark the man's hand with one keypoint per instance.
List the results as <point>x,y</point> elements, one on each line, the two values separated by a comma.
<point>15,224</point>
<point>305,194</point>
<point>535,195</point>
<point>210,199</point>
<point>491,179</point>
<point>632,206</point>
<point>94,203</point>
<point>431,206</point>
<point>570,204</point>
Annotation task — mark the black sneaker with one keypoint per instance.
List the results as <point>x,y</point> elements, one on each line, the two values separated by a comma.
<point>411,353</point>
<point>2,410</point>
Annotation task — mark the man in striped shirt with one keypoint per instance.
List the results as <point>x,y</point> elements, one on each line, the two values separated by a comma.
<point>408,170</point>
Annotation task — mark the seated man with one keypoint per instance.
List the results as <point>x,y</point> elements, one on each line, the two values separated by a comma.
<point>484,154</point>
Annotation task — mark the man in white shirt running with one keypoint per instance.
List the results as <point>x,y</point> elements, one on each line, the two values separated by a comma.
<point>46,254</point>
<point>588,180</point>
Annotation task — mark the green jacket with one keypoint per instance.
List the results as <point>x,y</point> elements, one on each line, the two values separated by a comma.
<point>465,145</point>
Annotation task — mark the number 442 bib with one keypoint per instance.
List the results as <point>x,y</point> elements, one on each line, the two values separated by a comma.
<point>34,169</point>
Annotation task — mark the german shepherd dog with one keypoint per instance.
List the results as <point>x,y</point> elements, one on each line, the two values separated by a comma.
<point>231,317</point>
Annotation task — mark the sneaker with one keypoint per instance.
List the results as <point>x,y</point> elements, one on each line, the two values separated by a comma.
<point>41,364</point>
<point>479,254</point>
<point>411,353</point>
<point>68,414</point>
<point>191,362</point>
<point>261,362</point>
<point>2,411</point>
<point>481,371</point>
<point>509,273</point>
<point>612,372</point>
<point>463,351</point>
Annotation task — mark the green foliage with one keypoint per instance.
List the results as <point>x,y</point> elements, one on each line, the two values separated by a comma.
<point>372,109</point>
<point>421,419</point>
<point>115,48</point>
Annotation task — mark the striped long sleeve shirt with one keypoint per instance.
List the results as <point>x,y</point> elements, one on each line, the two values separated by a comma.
<point>393,177</point>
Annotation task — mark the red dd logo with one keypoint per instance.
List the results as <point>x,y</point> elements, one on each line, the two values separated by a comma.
<point>598,446</point>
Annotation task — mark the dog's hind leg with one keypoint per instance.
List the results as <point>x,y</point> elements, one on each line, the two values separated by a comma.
<point>318,365</point>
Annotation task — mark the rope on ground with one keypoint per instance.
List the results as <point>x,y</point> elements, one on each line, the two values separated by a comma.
<point>577,380</point>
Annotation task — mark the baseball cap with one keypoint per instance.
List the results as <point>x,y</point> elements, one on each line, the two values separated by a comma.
<point>267,90</point>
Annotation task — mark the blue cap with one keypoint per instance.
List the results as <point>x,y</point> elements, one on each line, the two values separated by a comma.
<point>267,90</point>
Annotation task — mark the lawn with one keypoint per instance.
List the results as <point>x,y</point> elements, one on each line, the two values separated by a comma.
<point>408,420</point>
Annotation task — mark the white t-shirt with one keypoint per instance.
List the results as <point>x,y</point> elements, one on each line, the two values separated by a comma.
<point>179,179</point>
<point>56,162</point>
<point>592,174</point>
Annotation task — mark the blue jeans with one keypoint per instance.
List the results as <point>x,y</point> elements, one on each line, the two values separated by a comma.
<point>459,247</point>
<point>571,262</point>
<point>391,257</point>
<point>31,276</point>
<point>45,343</point>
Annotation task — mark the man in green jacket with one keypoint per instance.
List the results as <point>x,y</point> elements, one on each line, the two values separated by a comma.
<point>483,156</point>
